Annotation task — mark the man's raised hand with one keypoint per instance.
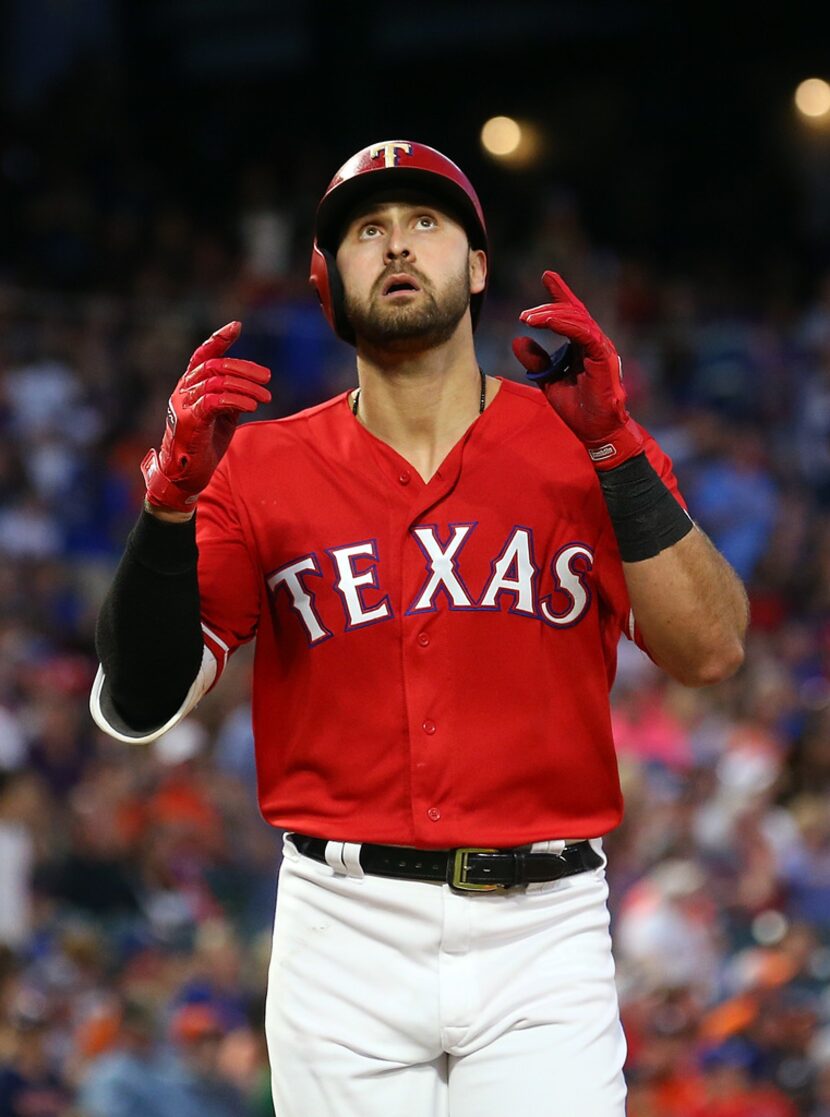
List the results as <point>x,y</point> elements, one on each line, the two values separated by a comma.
<point>201,418</point>
<point>583,380</point>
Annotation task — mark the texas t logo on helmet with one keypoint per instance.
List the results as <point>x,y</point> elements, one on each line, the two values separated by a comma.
<point>390,151</point>
<point>398,163</point>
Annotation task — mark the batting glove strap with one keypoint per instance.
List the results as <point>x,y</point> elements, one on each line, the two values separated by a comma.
<point>161,491</point>
<point>620,446</point>
<point>645,515</point>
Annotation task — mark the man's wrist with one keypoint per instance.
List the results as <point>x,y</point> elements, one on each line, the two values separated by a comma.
<point>163,494</point>
<point>167,515</point>
<point>645,515</point>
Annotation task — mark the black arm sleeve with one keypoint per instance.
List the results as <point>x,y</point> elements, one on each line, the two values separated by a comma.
<point>149,636</point>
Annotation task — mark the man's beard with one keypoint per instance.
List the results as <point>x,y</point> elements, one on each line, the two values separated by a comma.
<point>423,324</point>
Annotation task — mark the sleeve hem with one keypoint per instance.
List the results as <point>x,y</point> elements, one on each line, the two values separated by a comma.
<point>106,716</point>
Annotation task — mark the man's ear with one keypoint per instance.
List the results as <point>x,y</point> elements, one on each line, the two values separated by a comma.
<point>478,270</point>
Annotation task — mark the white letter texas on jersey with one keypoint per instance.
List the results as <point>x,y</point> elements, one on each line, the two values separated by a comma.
<point>512,574</point>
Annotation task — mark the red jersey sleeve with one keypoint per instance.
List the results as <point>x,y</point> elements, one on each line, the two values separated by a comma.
<point>662,464</point>
<point>230,584</point>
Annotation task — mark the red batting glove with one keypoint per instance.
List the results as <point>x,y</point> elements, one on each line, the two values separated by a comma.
<point>201,418</point>
<point>582,381</point>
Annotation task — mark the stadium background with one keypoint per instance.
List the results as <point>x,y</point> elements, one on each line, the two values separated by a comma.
<point>159,166</point>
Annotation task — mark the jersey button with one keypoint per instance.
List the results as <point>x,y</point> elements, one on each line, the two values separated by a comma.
<point>433,814</point>
<point>428,727</point>
<point>405,477</point>
<point>423,639</point>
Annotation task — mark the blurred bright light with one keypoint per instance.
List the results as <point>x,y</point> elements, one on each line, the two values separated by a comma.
<point>517,143</point>
<point>501,136</point>
<point>812,98</point>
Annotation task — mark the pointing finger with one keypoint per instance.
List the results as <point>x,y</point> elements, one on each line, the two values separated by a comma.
<point>218,342</point>
<point>559,289</point>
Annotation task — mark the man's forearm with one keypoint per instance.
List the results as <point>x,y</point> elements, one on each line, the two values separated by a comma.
<point>692,610</point>
<point>688,602</point>
<point>149,637</point>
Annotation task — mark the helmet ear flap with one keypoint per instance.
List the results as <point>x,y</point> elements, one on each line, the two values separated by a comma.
<point>326,281</point>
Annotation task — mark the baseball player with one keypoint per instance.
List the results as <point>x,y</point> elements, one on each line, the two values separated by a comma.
<point>437,567</point>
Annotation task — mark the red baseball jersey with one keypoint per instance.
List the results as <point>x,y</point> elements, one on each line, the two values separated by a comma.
<point>432,661</point>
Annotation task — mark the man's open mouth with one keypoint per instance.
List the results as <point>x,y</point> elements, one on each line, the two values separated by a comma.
<point>397,284</point>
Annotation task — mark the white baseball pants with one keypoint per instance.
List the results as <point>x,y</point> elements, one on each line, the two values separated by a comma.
<point>394,998</point>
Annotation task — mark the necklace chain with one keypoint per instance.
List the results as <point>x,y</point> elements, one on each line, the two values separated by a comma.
<point>481,401</point>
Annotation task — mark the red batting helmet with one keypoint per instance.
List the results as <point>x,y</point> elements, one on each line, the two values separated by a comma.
<point>398,163</point>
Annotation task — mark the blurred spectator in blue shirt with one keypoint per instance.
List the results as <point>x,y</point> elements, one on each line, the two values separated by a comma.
<point>735,498</point>
<point>127,1080</point>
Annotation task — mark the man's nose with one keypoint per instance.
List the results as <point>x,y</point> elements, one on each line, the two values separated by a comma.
<point>398,245</point>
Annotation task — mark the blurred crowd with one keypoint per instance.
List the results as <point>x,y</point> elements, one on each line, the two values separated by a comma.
<point>138,884</point>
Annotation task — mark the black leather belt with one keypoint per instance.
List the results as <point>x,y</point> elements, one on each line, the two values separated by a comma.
<point>468,869</point>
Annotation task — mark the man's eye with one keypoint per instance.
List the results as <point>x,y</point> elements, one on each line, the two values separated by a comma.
<point>425,221</point>
<point>369,230</point>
